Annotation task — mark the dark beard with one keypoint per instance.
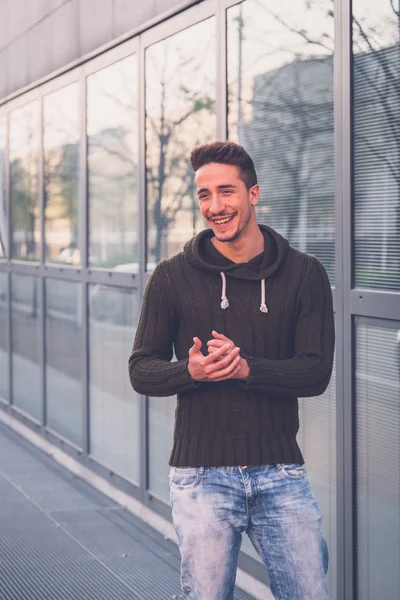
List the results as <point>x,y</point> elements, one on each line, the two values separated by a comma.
<point>239,231</point>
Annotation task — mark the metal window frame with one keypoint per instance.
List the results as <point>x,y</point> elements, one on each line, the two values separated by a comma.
<point>343,216</point>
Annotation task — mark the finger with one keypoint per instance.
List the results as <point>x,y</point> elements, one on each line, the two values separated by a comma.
<point>229,377</point>
<point>216,355</point>
<point>213,347</point>
<point>220,336</point>
<point>221,363</point>
<point>196,346</point>
<point>227,371</point>
<point>219,343</point>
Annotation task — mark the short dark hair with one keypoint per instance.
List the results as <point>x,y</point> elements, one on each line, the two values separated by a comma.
<point>225,153</point>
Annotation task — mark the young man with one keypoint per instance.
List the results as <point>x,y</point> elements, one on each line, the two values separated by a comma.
<point>251,321</point>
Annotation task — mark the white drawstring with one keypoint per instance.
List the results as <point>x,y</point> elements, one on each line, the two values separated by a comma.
<point>263,306</point>
<point>225,301</point>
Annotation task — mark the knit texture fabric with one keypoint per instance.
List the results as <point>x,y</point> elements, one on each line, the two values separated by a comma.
<point>289,350</point>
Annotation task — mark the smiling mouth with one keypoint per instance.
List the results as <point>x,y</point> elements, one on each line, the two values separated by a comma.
<point>223,220</point>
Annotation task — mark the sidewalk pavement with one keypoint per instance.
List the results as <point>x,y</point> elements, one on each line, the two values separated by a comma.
<point>60,539</point>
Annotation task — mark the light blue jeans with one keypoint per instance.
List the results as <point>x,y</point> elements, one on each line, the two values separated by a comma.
<point>213,506</point>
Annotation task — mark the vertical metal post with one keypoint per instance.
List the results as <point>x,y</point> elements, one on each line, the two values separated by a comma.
<point>142,253</point>
<point>8,250</point>
<point>344,258</point>
<point>83,237</point>
<point>240,76</point>
<point>222,86</point>
<point>349,407</point>
<point>8,190</point>
<point>40,280</point>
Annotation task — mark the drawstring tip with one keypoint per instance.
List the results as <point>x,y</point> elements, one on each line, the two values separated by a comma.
<point>224,303</point>
<point>264,308</point>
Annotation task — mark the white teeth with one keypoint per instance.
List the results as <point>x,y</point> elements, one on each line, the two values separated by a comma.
<point>223,221</point>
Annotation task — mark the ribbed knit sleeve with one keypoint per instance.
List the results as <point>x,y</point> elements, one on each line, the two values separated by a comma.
<point>151,371</point>
<point>308,373</point>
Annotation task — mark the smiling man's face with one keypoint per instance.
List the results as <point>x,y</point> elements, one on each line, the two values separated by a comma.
<point>225,202</point>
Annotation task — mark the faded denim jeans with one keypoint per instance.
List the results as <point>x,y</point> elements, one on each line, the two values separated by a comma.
<point>213,506</point>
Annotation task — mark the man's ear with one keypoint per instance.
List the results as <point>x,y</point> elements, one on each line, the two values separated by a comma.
<point>254,194</point>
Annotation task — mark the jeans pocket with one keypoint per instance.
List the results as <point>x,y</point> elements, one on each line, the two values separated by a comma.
<point>185,478</point>
<point>291,471</point>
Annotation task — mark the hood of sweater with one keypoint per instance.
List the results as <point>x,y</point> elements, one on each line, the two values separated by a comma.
<point>275,247</point>
<point>199,253</point>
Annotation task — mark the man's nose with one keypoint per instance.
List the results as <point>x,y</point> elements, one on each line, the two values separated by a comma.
<point>217,205</point>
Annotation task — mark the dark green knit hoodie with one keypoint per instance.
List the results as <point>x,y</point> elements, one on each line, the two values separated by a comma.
<point>278,311</point>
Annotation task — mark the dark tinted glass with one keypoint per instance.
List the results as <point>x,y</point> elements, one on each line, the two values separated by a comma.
<point>378,458</point>
<point>180,113</point>
<point>61,133</point>
<point>24,170</point>
<point>114,406</point>
<point>376,68</point>
<point>26,355</point>
<point>64,359</point>
<point>280,107</point>
<point>112,130</point>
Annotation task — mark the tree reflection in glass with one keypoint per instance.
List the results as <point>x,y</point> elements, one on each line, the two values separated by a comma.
<point>61,133</point>
<point>280,107</point>
<point>112,130</point>
<point>24,143</point>
<point>180,113</point>
<point>376,69</point>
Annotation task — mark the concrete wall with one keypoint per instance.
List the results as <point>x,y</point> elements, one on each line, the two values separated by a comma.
<point>40,36</point>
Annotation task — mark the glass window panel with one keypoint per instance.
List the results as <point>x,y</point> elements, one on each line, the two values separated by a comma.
<point>280,107</point>
<point>24,158</point>
<point>112,129</point>
<point>4,345</point>
<point>180,113</point>
<point>3,191</point>
<point>378,458</point>
<point>114,406</point>
<point>161,429</point>
<point>26,361</point>
<point>376,101</point>
<point>64,359</point>
<point>317,439</point>
<point>61,131</point>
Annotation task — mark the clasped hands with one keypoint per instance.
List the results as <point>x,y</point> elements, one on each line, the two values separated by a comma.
<point>223,361</point>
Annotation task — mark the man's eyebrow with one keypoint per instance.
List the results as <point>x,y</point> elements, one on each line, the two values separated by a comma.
<point>224,186</point>
<point>201,191</point>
